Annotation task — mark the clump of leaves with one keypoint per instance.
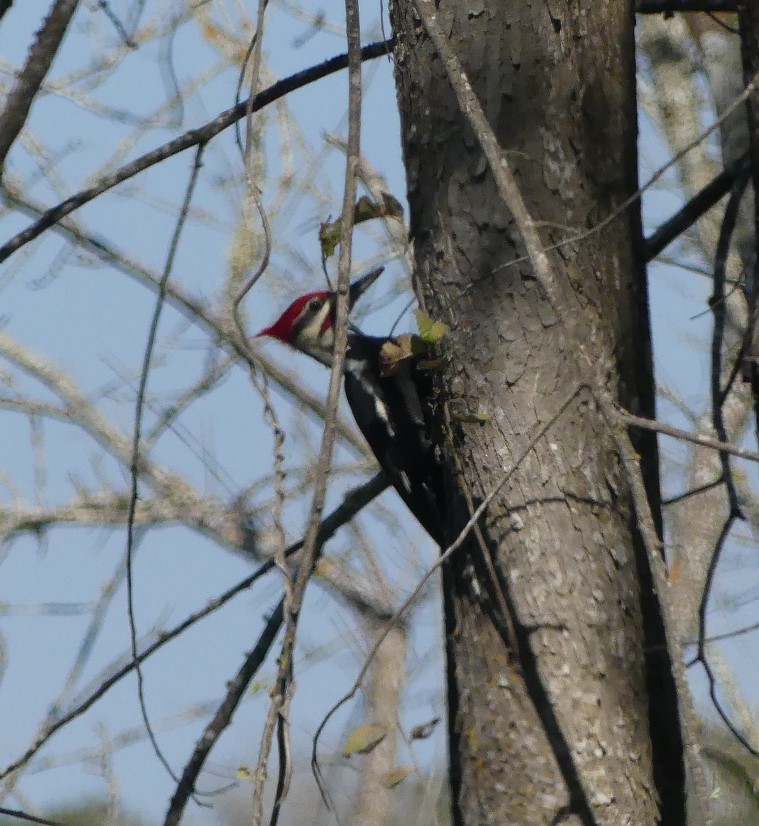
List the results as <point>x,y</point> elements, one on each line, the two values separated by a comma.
<point>410,345</point>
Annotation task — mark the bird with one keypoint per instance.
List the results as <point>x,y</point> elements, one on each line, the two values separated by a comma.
<point>392,397</point>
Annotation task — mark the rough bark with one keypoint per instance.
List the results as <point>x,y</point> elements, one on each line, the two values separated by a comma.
<point>749,28</point>
<point>562,706</point>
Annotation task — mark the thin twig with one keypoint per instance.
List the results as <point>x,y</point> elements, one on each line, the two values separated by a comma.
<point>261,383</point>
<point>235,691</point>
<point>252,188</point>
<point>105,7</point>
<point>353,502</point>
<point>632,420</point>
<point>283,684</point>
<point>702,655</point>
<point>690,212</point>
<point>729,635</point>
<point>686,494</point>
<point>254,196</point>
<point>19,815</point>
<point>135,463</point>
<point>191,138</point>
<point>717,303</point>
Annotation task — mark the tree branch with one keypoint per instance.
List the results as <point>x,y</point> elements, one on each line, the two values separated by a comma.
<point>353,502</point>
<point>281,694</point>
<point>671,6</point>
<point>717,304</point>
<point>189,139</point>
<point>199,311</point>
<point>136,458</point>
<point>700,203</point>
<point>235,691</point>
<point>41,55</point>
<point>631,420</point>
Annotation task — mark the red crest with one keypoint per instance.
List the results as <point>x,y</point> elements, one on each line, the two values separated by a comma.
<point>282,327</point>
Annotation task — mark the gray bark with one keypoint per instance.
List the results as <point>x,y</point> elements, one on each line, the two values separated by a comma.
<point>562,703</point>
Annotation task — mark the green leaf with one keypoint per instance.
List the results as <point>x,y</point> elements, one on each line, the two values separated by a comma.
<point>429,331</point>
<point>364,739</point>
<point>329,237</point>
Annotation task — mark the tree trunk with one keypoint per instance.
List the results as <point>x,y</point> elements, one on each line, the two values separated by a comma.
<point>749,28</point>
<point>561,699</point>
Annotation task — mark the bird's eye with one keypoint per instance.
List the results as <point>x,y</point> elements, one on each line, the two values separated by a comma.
<point>314,304</point>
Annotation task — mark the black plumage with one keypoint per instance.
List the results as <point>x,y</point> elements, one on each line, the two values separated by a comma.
<point>394,412</point>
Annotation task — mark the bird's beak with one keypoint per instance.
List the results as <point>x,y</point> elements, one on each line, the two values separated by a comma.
<point>361,285</point>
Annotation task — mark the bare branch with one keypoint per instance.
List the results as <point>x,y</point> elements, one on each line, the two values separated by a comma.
<point>351,505</point>
<point>668,430</point>
<point>702,656</point>
<point>700,203</point>
<point>283,685</point>
<point>41,55</point>
<point>19,815</point>
<point>671,6</point>
<point>193,137</point>
<point>134,465</point>
<point>719,311</point>
<point>235,691</point>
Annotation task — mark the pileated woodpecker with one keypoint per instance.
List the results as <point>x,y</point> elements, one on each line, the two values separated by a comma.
<point>392,408</point>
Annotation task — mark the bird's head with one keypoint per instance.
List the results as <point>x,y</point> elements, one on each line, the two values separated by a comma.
<point>308,323</point>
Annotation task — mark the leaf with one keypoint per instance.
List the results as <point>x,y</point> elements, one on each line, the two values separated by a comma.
<point>329,237</point>
<point>395,776</point>
<point>364,739</point>
<point>365,210</point>
<point>429,331</point>
<point>424,730</point>
<point>392,206</point>
<point>394,351</point>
